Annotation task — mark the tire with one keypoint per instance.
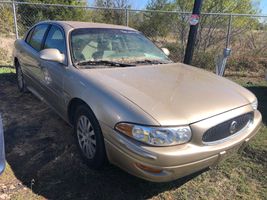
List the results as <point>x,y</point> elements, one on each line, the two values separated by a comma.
<point>89,138</point>
<point>20,79</point>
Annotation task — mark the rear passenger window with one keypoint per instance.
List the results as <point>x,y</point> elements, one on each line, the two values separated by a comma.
<point>55,39</point>
<point>38,36</point>
<point>29,36</point>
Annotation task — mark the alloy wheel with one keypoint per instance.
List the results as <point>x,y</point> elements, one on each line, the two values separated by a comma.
<point>86,137</point>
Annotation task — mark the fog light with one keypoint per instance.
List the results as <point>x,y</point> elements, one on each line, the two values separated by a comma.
<point>148,169</point>
<point>254,104</point>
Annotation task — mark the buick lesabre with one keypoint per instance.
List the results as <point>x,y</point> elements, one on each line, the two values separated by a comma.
<point>129,103</point>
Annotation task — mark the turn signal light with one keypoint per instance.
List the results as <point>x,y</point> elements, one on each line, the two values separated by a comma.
<point>148,169</point>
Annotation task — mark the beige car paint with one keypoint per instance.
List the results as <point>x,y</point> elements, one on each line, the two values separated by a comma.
<point>156,95</point>
<point>172,93</point>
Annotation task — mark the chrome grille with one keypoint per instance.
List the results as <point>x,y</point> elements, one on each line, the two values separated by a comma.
<point>226,128</point>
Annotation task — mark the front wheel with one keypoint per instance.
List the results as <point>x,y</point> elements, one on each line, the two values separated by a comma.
<point>89,138</point>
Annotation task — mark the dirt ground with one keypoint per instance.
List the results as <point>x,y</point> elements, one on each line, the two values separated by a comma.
<point>43,161</point>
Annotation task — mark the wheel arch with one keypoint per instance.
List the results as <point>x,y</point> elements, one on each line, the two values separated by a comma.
<point>72,106</point>
<point>16,62</point>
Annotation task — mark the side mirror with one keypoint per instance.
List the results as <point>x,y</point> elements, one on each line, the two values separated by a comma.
<point>166,51</point>
<point>52,55</point>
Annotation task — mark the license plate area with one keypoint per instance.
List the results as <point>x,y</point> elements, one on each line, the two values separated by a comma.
<point>224,155</point>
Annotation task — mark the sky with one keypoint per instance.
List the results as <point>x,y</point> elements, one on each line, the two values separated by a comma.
<point>263,6</point>
<point>141,4</point>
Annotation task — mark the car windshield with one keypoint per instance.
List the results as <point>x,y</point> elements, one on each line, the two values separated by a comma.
<point>114,47</point>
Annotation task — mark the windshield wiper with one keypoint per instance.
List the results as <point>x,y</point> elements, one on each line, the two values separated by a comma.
<point>153,62</point>
<point>103,62</point>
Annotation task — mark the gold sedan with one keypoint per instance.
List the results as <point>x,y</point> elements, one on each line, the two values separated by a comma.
<point>129,103</point>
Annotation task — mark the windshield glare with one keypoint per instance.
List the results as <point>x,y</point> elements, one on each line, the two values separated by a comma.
<point>113,45</point>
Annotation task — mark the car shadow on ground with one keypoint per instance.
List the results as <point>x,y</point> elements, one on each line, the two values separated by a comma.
<point>41,150</point>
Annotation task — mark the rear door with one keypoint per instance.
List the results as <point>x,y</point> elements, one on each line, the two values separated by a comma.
<point>30,58</point>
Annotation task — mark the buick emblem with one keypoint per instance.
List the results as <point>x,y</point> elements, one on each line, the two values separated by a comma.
<point>233,127</point>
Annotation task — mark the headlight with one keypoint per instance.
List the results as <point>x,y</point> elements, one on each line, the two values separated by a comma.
<point>254,104</point>
<point>157,136</point>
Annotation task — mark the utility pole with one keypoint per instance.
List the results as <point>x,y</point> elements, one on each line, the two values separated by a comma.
<point>194,21</point>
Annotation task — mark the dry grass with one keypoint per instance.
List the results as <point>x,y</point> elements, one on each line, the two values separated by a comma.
<point>6,48</point>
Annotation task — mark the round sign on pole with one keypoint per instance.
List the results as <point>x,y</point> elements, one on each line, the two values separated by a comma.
<point>194,20</point>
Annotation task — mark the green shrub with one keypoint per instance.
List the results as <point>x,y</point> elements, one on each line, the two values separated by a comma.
<point>205,60</point>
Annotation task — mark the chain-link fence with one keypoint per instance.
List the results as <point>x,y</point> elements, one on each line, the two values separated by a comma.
<point>244,34</point>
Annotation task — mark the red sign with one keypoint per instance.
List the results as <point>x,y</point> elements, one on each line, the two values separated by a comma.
<point>194,19</point>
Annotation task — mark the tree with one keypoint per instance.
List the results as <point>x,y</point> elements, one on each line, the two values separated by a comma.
<point>212,29</point>
<point>29,14</point>
<point>113,12</point>
<point>156,23</point>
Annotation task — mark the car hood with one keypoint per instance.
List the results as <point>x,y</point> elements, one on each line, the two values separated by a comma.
<point>173,94</point>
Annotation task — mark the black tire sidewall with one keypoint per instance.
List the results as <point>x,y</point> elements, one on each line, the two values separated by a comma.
<point>99,159</point>
<point>23,88</point>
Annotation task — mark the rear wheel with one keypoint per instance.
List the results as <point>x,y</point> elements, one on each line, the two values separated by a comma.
<point>20,79</point>
<point>89,138</point>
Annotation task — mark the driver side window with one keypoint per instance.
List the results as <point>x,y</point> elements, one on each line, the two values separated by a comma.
<point>55,39</point>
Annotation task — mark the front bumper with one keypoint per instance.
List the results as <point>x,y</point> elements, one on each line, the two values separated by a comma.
<point>176,161</point>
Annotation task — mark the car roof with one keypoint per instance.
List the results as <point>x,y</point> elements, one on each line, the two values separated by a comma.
<point>78,24</point>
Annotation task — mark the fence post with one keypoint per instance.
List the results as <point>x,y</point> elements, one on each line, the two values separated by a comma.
<point>221,62</point>
<point>15,19</point>
<point>228,37</point>
<point>126,16</point>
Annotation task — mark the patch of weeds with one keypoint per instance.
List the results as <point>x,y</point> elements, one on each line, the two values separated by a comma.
<point>7,70</point>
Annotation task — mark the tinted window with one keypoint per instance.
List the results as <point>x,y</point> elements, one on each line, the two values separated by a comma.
<point>29,36</point>
<point>55,39</point>
<point>37,36</point>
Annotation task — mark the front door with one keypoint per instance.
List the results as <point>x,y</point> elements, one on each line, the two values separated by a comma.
<point>54,72</point>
